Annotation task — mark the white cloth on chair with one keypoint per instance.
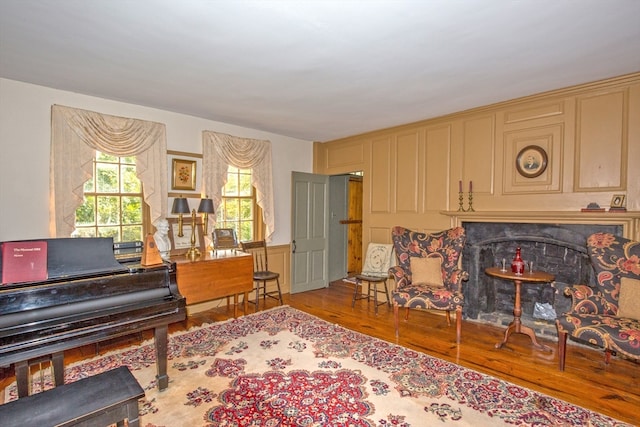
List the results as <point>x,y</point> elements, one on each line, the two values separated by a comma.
<point>378,260</point>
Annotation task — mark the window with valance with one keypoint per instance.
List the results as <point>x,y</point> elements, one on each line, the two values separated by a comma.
<point>76,135</point>
<point>221,150</point>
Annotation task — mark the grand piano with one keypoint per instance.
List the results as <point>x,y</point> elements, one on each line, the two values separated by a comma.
<point>88,297</point>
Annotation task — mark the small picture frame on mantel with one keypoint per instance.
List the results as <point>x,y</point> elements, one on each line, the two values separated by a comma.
<point>618,202</point>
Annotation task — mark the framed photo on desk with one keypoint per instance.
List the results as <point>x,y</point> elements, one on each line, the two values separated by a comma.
<point>225,238</point>
<point>181,244</point>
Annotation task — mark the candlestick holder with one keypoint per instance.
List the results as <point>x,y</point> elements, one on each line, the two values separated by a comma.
<point>460,201</point>
<point>470,208</point>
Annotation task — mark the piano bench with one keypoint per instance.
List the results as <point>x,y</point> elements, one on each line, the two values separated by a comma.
<point>96,401</point>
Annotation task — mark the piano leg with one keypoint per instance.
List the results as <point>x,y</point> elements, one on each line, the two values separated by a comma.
<point>161,357</point>
<point>23,371</point>
<point>57,360</point>
<point>22,378</point>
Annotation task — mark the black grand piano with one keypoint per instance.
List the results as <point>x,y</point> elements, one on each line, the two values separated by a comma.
<point>88,297</point>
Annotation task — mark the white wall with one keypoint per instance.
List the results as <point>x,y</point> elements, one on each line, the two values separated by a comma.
<point>25,134</point>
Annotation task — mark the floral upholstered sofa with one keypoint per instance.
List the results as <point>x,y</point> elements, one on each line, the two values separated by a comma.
<point>609,315</point>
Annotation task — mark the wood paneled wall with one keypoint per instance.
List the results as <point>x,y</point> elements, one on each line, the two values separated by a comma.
<point>591,134</point>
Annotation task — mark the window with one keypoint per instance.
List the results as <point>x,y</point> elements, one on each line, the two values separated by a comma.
<point>113,201</point>
<point>239,209</point>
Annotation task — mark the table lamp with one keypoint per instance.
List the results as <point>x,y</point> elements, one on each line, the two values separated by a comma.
<point>206,208</point>
<point>180,207</point>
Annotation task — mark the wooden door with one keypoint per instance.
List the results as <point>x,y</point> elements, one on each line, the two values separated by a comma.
<point>354,224</point>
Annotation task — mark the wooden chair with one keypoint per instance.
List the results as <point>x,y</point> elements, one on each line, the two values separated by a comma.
<point>375,270</point>
<point>436,280</point>
<point>261,273</point>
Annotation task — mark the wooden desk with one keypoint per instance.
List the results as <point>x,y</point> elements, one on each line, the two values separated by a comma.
<point>215,276</point>
<point>516,325</point>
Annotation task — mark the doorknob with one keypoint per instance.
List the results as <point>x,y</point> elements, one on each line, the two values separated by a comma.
<point>294,247</point>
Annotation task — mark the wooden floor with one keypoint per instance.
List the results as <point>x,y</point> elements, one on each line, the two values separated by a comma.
<point>612,389</point>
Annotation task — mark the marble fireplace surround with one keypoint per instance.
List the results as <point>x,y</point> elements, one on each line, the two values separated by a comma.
<point>554,241</point>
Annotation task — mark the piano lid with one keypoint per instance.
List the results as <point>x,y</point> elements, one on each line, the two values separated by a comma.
<point>75,257</point>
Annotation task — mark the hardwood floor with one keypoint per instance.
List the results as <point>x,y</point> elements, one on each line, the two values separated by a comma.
<point>612,389</point>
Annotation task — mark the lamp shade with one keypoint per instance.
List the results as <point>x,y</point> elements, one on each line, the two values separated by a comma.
<point>206,206</point>
<point>180,206</point>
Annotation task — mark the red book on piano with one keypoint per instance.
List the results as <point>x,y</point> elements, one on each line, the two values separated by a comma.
<point>24,261</point>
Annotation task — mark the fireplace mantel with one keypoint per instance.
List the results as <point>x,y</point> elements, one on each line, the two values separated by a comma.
<point>630,220</point>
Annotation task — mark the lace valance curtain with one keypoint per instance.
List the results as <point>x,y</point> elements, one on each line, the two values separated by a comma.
<point>220,150</point>
<point>76,135</point>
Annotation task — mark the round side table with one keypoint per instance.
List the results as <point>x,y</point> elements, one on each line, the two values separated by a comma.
<point>516,326</point>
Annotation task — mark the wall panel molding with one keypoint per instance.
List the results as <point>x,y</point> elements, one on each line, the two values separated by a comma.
<point>534,112</point>
<point>408,172</point>
<point>601,141</point>
<point>380,171</point>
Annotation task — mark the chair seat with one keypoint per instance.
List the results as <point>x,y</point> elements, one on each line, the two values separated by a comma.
<point>265,275</point>
<point>427,296</point>
<point>372,278</point>
<point>619,334</point>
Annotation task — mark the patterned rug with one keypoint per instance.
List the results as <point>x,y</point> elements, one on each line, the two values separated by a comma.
<point>284,367</point>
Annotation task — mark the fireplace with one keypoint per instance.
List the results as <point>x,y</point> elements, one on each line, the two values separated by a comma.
<point>559,249</point>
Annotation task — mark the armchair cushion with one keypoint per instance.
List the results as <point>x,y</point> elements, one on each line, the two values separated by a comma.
<point>427,270</point>
<point>629,298</point>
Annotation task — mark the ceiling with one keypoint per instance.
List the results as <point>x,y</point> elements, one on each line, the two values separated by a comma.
<point>316,70</point>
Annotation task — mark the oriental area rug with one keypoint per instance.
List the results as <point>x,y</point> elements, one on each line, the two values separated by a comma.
<point>284,367</point>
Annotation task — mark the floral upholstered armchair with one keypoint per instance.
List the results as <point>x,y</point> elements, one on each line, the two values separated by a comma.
<point>427,275</point>
<point>608,316</point>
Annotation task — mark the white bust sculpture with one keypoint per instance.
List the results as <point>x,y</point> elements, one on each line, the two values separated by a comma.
<point>162,238</point>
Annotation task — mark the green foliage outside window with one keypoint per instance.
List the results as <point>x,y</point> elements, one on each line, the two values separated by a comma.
<point>113,203</point>
<point>238,200</point>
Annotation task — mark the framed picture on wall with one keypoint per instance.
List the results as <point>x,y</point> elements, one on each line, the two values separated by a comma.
<point>531,161</point>
<point>183,168</point>
<point>183,174</point>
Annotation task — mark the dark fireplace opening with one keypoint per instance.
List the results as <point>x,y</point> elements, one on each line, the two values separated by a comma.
<point>559,249</point>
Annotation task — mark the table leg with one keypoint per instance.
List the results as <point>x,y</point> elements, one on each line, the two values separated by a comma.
<point>531,334</point>
<point>516,325</point>
<point>235,306</point>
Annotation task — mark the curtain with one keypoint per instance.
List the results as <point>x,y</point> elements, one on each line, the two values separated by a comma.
<point>76,135</point>
<point>221,150</point>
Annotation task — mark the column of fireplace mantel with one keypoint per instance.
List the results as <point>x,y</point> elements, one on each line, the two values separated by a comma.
<point>630,220</point>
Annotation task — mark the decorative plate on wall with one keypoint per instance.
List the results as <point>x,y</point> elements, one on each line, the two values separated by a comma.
<point>531,161</point>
